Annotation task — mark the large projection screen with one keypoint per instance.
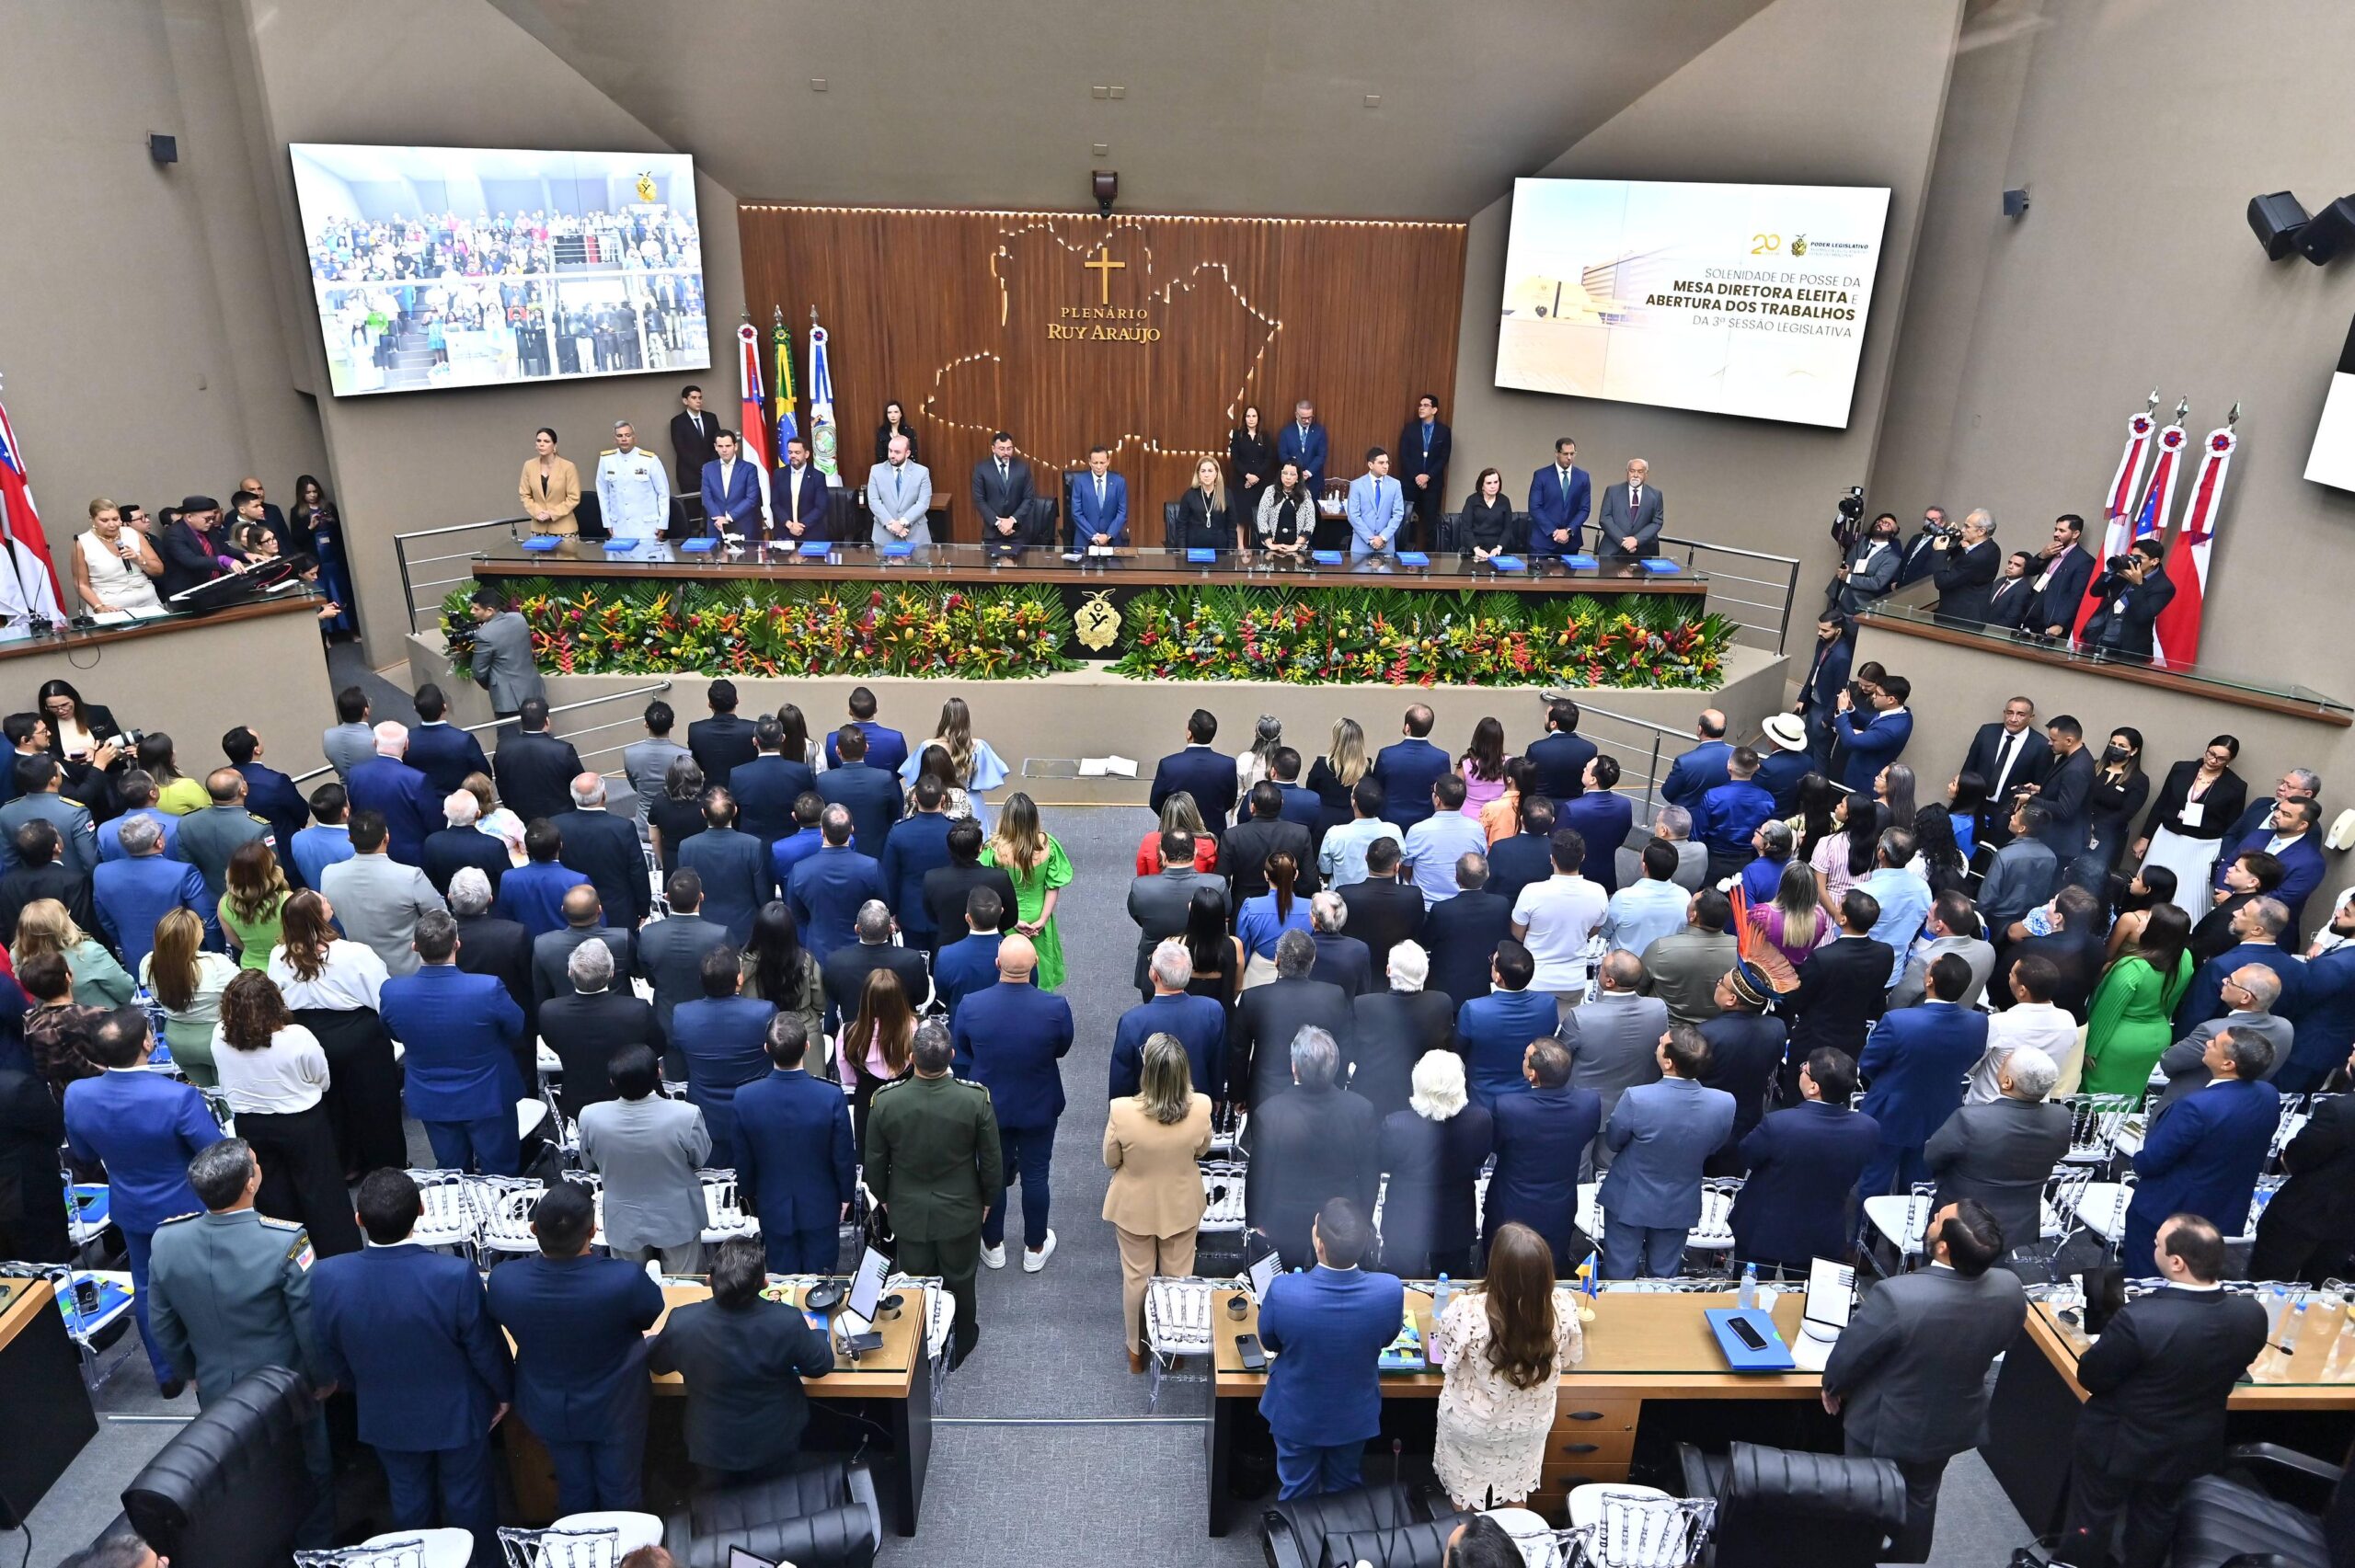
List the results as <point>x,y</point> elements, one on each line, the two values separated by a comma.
<point>442,267</point>
<point>1747,300</point>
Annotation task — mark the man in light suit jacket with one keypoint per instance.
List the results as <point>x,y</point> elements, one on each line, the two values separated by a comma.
<point>801,502</point>
<point>733,499</point>
<point>2251,992</point>
<point>1953,927</point>
<point>2203,1156</point>
<point>1160,903</point>
<point>1377,506</point>
<point>1424,445</point>
<point>647,763</point>
<point>899,495</point>
<point>2002,1151</point>
<point>1614,1038</point>
<point>1302,443</point>
<point>1908,1376</point>
<point>1632,515</point>
<point>1099,503</point>
<point>1870,570</point>
<point>1662,1135</point>
<point>378,901</point>
<point>1915,1061</point>
<point>1560,497</point>
<point>502,660</point>
<point>648,1150</point>
<point>1328,1327</point>
<point>1004,495</point>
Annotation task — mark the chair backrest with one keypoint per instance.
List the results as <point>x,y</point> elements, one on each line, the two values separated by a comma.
<point>2095,1122</point>
<point>409,1554</point>
<point>560,1549</point>
<point>1298,1533</point>
<point>1169,525</point>
<point>1776,1506</point>
<point>230,1488</point>
<point>1637,1530</point>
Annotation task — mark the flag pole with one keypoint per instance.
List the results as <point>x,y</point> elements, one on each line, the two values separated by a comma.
<point>37,623</point>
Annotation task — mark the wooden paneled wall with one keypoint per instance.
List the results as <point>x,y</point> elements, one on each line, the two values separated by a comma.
<point>979,321</point>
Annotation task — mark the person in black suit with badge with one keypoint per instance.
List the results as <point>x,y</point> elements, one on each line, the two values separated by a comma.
<point>692,431</point>
<point>2156,1381</point>
<point>1562,754</point>
<point>724,739</point>
<point>1004,495</point>
<point>1423,448</point>
<point>532,769</point>
<point>1208,775</point>
<point>2006,753</point>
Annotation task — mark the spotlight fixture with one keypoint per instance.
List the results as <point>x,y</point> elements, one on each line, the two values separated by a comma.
<point>1106,183</point>
<point>2328,232</point>
<point>2016,202</point>
<point>2276,220</point>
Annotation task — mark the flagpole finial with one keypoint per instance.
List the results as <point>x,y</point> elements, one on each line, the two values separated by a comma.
<point>776,314</point>
<point>2235,416</point>
<point>2182,407</point>
<point>813,316</point>
<point>2154,403</point>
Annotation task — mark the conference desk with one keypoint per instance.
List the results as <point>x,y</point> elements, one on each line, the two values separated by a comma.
<point>39,1371</point>
<point>1651,1374</point>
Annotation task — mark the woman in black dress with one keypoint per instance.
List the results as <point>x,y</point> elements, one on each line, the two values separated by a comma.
<point>1251,458</point>
<point>2200,800</point>
<point>678,815</point>
<point>895,423</point>
<point>2119,789</point>
<point>1206,516</point>
<point>1217,957</point>
<point>1485,526</point>
<point>1335,773</point>
<point>1287,514</point>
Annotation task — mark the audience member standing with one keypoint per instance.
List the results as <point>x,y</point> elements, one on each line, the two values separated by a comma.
<point>1035,861</point>
<point>1396,1028</point>
<point>1915,1061</point>
<point>2202,1158</point>
<point>1012,1037</point>
<point>1540,1137</point>
<point>1436,845</point>
<point>1493,1031</point>
<point>1341,857</point>
<point>2002,1152</point>
<point>720,742</point>
<point>2308,1226</point>
<point>1328,1327</point>
<point>1152,1139</point>
<point>1803,1163</point>
<point>744,1360</point>
<point>796,1169</point>
<point>722,1034</point>
<point>935,1162</point>
<point>1313,1142</point>
<point>1200,770</point>
<point>1555,917</point>
<point>1842,983</point>
<point>735,873</point>
<point>1746,1045</point>
<point>1683,968</point>
<point>1659,1135</point>
<point>1197,1023</point>
<point>648,1151</point>
<point>1506,1346</point>
<point>388,785</point>
<point>1433,1150</point>
<point>1614,1036</point>
<point>1461,932</point>
<point>1408,767</point>
<point>274,1076</point>
<point>460,1031</point>
<point>2132,1022</point>
<point>378,901</point>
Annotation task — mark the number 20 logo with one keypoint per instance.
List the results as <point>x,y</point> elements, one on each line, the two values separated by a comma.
<point>1765,245</point>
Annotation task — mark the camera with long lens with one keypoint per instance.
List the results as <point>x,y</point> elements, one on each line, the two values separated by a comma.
<point>2118,564</point>
<point>1848,519</point>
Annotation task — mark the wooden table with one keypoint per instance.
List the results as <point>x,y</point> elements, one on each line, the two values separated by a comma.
<point>38,1372</point>
<point>1644,1355</point>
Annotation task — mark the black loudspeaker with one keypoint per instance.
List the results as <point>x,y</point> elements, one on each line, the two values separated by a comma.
<point>2276,220</point>
<point>2328,232</point>
<point>164,149</point>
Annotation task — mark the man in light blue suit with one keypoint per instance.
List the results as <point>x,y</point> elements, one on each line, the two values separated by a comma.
<point>1099,503</point>
<point>1914,1061</point>
<point>733,501</point>
<point>1328,1328</point>
<point>898,496</point>
<point>1302,443</point>
<point>1377,506</point>
<point>1560,497</point>
<point>1661,1134</point>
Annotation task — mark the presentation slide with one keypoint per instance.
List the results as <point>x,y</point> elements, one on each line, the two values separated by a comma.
<point>1747,300</point>
<point>2332,460</point>
<point>438,266</point>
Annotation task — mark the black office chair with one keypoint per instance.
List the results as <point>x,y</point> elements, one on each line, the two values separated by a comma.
<point>845,507</point>
<point>231,1489</point>
<point>1169,525</point>
<point>1443,536</point>
<point>821,1515</point>
<point>1391,1527</point>
<point>590,516</point>
<point>2229,1523</point>
<point>1781,1508</point>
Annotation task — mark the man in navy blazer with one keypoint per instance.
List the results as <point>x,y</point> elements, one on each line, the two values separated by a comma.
<point>1913,1065</point>
<point>2258,925</point>
<point>800,504</point>
<point>1880,739</point>
<point>2204,1155</point>
<point>603,845</point>
<point>886,746</point>
<point>918,843</point>
<point>1197,1023</point>
<point>1099,503</point>
<point>1011,1038</point>
<point>1561,753</point>
<point>796,1167</point>
<point>271,795</point>
<point>1540,1139</point>
<point>408,1331</point>
<point>1803,1166</point>
<point>579,1322</point>
<point>1302,441</point>
<point>732,502</point>
<point>440,749</point>
<point>145,1128</point>
<point>1209,776</point>
<point>966,965</point>
<point>1406,769</point>
<point>830,885</point>
<point>1702,769</point>
<point>1560,497</point>
<point>736,876</point>
<point>2292,828</point>
<point>1327,1329</point>
<point>387,784</point>
<point>1661,1134</point>
<point>865,790</point>
<point>1493,1032</point>
<point>1603,818</point>
<point>459,1032</point>
<point>766,787</point>
<point>1424,446</point>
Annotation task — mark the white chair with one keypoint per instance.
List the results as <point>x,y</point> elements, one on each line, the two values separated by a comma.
<point>87,1208</point>
<point>631,1529</point>
<point>444,1548</point>
<point>1714,1231</point>
<point>504,1214</point>
<point>448,1216</point>
<point>1589,1211</point>
<point>2295,1109</point>
<point>1900,1218</point>
<point>549,1549</point>
<point>2266,1187</point>
<point>1178,1325</point>
<point>2101,1209</point>
<point>1541,1545</point>
<point>2095,1123</point>
<point>1620,1526</point>
<point>530,1115</point>
<point>1222,1186</point>
<point>728,1219</point>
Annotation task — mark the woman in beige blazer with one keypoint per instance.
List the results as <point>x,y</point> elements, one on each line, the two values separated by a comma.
<point>550,489</point>
<point>1156,1200</point>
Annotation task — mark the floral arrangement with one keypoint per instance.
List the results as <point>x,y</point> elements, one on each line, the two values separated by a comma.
<point>1406,637</point>
<point>1008,633</point>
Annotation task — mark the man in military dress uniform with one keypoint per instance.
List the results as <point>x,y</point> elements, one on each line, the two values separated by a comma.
<point>933,1161</point>
<point>229,1292</point>
<point>632,490</point>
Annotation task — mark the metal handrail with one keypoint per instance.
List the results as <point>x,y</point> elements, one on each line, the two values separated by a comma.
<point>569,707</point>
<point>400,555</point>
<point>1789,583</point>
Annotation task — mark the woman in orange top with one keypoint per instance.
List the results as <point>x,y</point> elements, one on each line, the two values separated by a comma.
<point>550,489</point>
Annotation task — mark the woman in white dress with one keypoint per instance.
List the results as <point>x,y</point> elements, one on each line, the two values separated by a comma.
<point>1504,1347</point>
<point>972,763</point>
<point>112,565</point>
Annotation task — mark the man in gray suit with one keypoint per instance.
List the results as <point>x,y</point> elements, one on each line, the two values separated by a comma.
<point>502,660</point>
<point>1674,825</point>
<point>353,741</point>
<point>1663,1133</point>
<point>2002,1151</point>
<point>647,763</point>
<point>1954,928</point>
<point>1632,514</point>
<point>899,494</point>
<point>670,952</point>
<point>1909,1374</point>
<point>1613,1039</point>
<point>1683,968</point>
<point>1159,903</point>
<point>649,1150</point>
<point>376,898</point>
<point>2250,992</point>
<point>584,921</point>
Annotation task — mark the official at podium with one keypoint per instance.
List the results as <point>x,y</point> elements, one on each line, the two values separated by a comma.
<point>1206,515</point>
<point>1099,503</point>
<point>899,493</point>
<point>733,499</point>
<point>1003,494</point>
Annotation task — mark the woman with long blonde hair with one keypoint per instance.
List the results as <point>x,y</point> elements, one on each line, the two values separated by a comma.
<point>45,927</point>
<point>1506,1344</point>
<point>1152,1139</point>
<point>1027,854</point>
<point>1206,513</point>
<point>186,982</point>
<point>249,909</point>
<point>975,765</point>
<point>1336,773</point>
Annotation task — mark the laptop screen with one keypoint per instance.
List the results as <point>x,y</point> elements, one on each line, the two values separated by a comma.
<point>1831,1292</point>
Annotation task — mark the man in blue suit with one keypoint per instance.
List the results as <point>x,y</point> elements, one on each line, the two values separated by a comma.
<point>886,746</point>
<point>1207,775</point>
<point>1099,503</point>
<point>1302,441</point>
<point>579,1322</point>
<point>1913,1065</point>
<point>132,894</point>
<point>531,894</point>
<point>736,876</point>
<point>604,844</point>
<point>1011,1038</point>
<point>1603,818</point>
<point>1197,1023</point>
<point>1377,508</point>
<point>970,962</point>
<point>1561,753</point>
<point>1702,769</point>
<point>1327,1329</point>
<point>724,1035</point>
<point>145,1128</point>
<point>440,749</point>
<point>2204,1155</point>
<point>766,787</point>
<point>1819,687</point>
<point>868,792</point>
<point>1494,1032</point>
<point>800,507</point>
<point>803,842</point>
<point>1803,1166</point>
<point>272,795</point>
<point>732,502</point>
<point>1540,1137</point>
<point>2325,1022</point>
<point>830,885</point>
<point>138,790</point>
<point>1880,740</point>
<point>408,1331</point>
<point>1406,768</point>
<point>316,847</point>
<point>459,1031</point>
<point>2257,927</point>
<point>387,784</point>
<point>1661,1134</point>
<point>1300,806</point>
<point>796,1167</point>
<point>1560,497</point>
<point>918,843</point>
<point>2290,836</point>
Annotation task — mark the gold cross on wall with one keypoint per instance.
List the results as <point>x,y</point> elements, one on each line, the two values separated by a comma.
<point>1103,266</point>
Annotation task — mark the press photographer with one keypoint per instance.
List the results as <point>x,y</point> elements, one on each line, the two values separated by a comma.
<point>1966,563</point>
<point>1869,571</point>
<point>2132,588</point>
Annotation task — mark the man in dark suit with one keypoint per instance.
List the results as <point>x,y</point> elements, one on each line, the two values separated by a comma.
<point>1746,1045</point>
<point>1697,771</point>
<point>1602,817</point>
<point>1819,687</point>
<point>489,944</point>
<point>1493,1029</point>
<point>2062,570</point>
<point>735,875</point>
<point>1207,775</point>
<point>2204,1155</point>
<point>1802,1169</point>
<point>1243,848</point>
<point>1300,806</point>
<point>868,793</point>
<point>670,951</point>
<point>731,487</point>
<point>460,1031</point>
<point>2002,1151</point>
<point>459,843</point>
<point>845,970</point>
<point>1560,497</point>
<point>193,547</point>
<point>1161,903</point>
<point>1424,444</point>
<point>1267,1018</point>
<point>1461,933</point>
<point>2291,833</point>
<point>1908,1376</point>
<point>387,784</point>
<point>720,742</point>
<point>2064,788</point>
<point>744,1360</point>
<point>1562,753</point>
<point>695,433</point>
<point>440,749</point>
<point>887,748</point>
<point>2129,603</point>
<point>2258,927</point>
<point>584,921</point>
<point>2006,753</point>
<point>2309,1223</point>
<point>1406,768</point>
<point>2010,599</point>
<point>271,795</point>
<point>1394,1026</point>
<point>1920,556</point>
<point>1540,1137</point>
<point>1329,1325</point>
<point>1914,1062</point>
<point>578,1323</point>
<point>916,847</point>
<point>1384,912</point>
<point>1011,1038</point>
<point>2156,1381</point>
<point>408,1331</point>
<point>966,965</point>
<point>1632,515</point>
<point>947,888</point>
<point>532,769</point>
<point>797,1169</point>
<point>766,787</point>
<point>829,888</point>
<point>1309,1145</point>
<point>1841,993</point>
<point>1868,571</point>
<point>1520,859</point>
<point>1302,443</point>
<point>1197,1023</point>
<point>602,846</point>
<point>588,1023</point>
<point>800,504</point>
<point>1005,498</point>
<point>1966,570</point>
<point>1341,959</point>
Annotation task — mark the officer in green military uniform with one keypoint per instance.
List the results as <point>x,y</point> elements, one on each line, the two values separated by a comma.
<point>229,1292</point>
<point>933,1162</point>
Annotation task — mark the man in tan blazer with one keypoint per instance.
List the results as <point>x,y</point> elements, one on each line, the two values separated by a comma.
<point>550,489</point>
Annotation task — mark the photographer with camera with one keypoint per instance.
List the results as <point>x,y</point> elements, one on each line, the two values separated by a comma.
<point>1919,559</point>
<point>1870,570</point>
<point>2131,590</point>
<point>1965,572</point>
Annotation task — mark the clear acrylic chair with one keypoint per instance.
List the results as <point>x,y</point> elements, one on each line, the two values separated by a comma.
<point>448,1218</point>
<point>1178,1326</point>
<point>2095,1122</point>
<point>1638,1526</point>
<point>554,1549</point>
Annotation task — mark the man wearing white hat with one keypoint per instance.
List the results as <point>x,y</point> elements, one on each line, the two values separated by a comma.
<point>1787,760</point>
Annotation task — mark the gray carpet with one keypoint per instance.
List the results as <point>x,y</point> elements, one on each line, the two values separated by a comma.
<point>1002,1490</point>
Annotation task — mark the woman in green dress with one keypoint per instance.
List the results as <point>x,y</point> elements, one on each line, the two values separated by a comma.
<point>1029,854</point>
<point>2132,1019</point>
<point>250,909</point>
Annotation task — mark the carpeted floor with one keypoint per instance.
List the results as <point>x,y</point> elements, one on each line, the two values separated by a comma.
<point>1046,1454</point>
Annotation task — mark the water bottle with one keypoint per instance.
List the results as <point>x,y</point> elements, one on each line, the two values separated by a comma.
<point>1442,1294</point>
<point>2292,1328</point>
<point>1748,1299</point>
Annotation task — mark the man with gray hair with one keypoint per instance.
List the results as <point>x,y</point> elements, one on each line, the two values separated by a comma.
<point>132,894</point>
<point>1674,824</point>
<point>490,946</point>
<point>584,921</point>
<point>2002,1151</point>
<point>1461,933</point>
<point>1267,1018</point>
<point>2257,929</point>
<point>1965,572</point>
<point>846,968</point>
<point>1343,960</point>
<point>1197,1023</point>
<point>459,844</point>
<point>386,783</point>
<point>2204,1155</point>
<point>1310,1144</point>
<point>2251,994</point>
<point>1396,1028</point>
<point>603,847</point>
<point>591,1022</point>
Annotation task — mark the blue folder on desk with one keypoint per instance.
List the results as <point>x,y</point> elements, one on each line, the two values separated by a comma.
<point>898,549</point>
<point>1202,557</point>
<point>1775,1357</point>
<point>1326,557</point>
<point>1580,562</point>
<point>1507,563</point>
<point>1413,558</point>
<point>541,543</point>
<point>815,549</point>
<point>1660,565</point>
<point>702,546</point>
<point>620,546</point>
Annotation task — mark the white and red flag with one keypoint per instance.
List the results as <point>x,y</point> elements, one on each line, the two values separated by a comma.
<point>755,438</point>
<point>2178,624</point>
<point>2147,520</point>
<point>30,585</point>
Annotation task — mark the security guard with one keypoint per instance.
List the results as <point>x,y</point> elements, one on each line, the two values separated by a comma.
<point>229,1292</point>
<point>933,1161</point>
<point>633,492</point>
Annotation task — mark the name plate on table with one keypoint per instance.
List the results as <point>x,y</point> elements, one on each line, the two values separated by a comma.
<point>898,550</point>
<point>704,546</point>
<point>1507,563</point>
<point>1580,562</point>
<point>1660,566</point>
<point>620,546</point>
<point>1203,557</point>
<point>1326,557</point>
<point>541,543</point>
<point>815,549</point>
<point>1413,558</point>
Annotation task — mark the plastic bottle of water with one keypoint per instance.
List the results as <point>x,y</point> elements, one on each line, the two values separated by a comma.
<point>1442,1294</point>
<point>1748,1299</point>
